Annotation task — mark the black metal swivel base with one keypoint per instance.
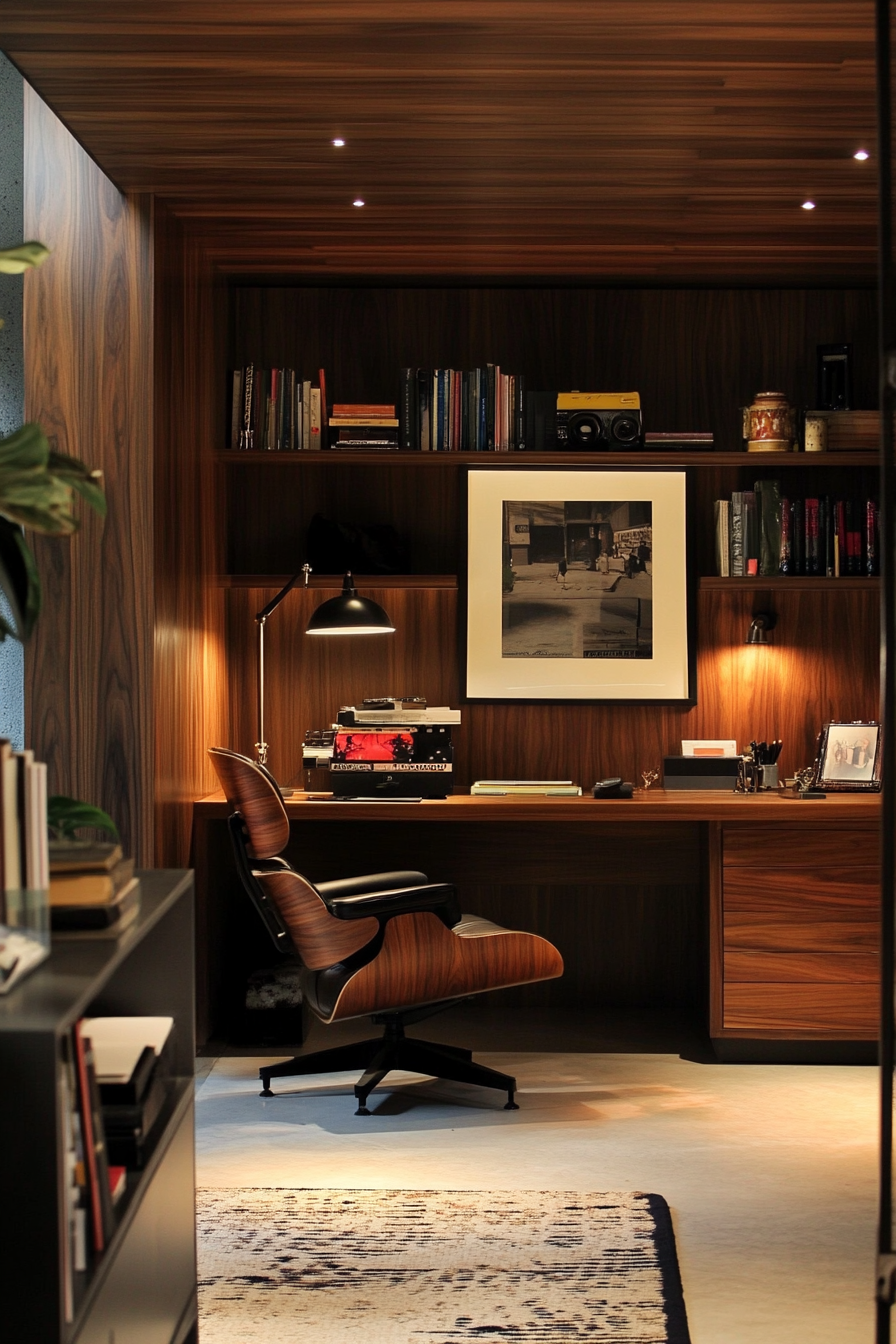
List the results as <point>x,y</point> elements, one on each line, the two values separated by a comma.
<point>393,1050</point>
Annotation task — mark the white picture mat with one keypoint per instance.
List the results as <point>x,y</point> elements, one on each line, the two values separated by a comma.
<point>493,677</point>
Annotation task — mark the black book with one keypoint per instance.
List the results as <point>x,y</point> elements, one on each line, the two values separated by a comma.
<point>407,410</point>
<point>798,536</point>
<point>124,1121</point>
<point>424,398</point>
<point>519,413</point>
<point>490,409</point>
<point>132,1092</point>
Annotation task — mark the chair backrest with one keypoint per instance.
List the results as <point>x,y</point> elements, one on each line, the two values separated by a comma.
<point>255,795</point>
<point>290,907</point>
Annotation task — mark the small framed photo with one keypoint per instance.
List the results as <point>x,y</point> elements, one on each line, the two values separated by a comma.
<point>849,757</point>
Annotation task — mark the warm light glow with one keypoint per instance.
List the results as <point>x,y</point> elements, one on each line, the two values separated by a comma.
<point>339,143</point>
<point>861,155</point>
<point>808,205</point>
<point>358,202</point>
<point>355,630</point>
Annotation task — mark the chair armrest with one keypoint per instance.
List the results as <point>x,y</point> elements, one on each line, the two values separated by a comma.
<point>438,898</point>
<point>370,882</point>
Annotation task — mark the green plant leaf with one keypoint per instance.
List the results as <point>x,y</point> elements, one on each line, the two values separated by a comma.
<point>79,477</point>
<point>66,815</point>
<point>25,448</point>
<point>19,581</point>
<point>15,260</point>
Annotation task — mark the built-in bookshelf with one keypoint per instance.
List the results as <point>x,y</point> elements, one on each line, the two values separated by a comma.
<point>143,1284</point>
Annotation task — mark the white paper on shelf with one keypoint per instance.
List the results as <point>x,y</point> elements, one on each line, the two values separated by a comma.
<point>118,1043</point>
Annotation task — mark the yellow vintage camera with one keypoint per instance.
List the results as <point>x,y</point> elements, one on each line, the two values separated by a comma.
<point>590,421</point>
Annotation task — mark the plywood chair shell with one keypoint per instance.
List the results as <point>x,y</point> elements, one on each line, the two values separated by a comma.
<point>257,800</point>
<point>320,939</point>
<point>422,961</point>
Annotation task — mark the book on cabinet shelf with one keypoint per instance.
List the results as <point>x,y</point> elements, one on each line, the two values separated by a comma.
<point>764,533</point>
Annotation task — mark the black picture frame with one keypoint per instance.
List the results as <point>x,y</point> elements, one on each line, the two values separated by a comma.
<point>849,757</point>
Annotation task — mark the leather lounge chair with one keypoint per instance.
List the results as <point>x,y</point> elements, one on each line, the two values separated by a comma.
<point>394,946</point>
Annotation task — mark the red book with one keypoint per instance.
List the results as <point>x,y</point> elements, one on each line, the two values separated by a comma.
<point>118,1177</point>
<point>322,379</point>
<point>362,408</point>
<point>90,1158</point>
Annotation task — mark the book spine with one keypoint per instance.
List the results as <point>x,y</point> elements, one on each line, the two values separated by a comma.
<point>407,416</point>
<point>316,441</point>
<point>424,398</point>
<point>90,1150</point>
<point>813,565</point>
<point>236,408</point>
<point>737,535</point>
<point>751,535</point>
<point>870,537</point>
<point>490,409</point>
<point>840,542</point>
<point>722,509</point>
<point>768,498</point>
<point>798,536</point>
<point>247,433</point>
<point>324,414</point>
<point>854,537</point>
<point>520,412</point>
<point>785,559</point>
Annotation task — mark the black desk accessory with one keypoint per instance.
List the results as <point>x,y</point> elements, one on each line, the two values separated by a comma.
<point>701,772</point>
<point>612,788</point>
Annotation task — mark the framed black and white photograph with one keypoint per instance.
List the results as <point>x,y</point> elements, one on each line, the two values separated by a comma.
<point>576,585</point>
<point>849,757</point>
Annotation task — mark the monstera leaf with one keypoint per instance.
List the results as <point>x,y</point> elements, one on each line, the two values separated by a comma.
<point>37,488</point>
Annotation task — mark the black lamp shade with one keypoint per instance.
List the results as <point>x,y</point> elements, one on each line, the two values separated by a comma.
<point>349,614</point>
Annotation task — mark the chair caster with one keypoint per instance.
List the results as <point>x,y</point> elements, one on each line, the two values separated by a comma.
<point>266,1092</point>
<point>362,1110</point>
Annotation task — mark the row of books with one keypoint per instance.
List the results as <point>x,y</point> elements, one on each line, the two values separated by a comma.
<point>762,532</point>
<point>452,410</point>
<point>274,410</point>
<point>24,864</point>
<point>113,1084</point>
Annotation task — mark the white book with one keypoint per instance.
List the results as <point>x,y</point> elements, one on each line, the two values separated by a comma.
<point>314,440</point>
<point>118,1043</point>
<point>12,862</point>
<point>432,717</point>
<point>306,413</point>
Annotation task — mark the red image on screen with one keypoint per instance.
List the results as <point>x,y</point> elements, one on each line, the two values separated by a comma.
<point>388,746</point>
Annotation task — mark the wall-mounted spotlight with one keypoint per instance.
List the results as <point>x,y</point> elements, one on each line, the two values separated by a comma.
<point>761,624</point>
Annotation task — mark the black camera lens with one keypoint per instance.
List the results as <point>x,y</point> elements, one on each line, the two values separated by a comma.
<point>625,429</point>
<point>585,431</point>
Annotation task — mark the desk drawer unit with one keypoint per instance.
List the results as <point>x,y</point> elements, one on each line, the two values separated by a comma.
<point>796,933</point>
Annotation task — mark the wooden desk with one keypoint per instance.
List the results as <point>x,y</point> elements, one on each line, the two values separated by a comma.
<point>763,908</point>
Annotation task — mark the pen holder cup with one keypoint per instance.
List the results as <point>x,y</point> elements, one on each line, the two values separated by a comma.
<point>768,776</point>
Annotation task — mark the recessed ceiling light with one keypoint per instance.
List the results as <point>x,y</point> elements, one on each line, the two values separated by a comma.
<point>861,155</point>
<point>808,205</point>
<point>358,202</point>
<point>339,143</point>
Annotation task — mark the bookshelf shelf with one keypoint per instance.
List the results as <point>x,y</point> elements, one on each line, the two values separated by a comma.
<point>756,461</point>
<point>849,583</point>
<point>335,580</point>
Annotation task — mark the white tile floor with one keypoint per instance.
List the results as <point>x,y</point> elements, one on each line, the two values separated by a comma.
<point>770,1170</point>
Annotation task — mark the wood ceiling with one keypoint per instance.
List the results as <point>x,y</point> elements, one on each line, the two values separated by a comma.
<point>618,141</point>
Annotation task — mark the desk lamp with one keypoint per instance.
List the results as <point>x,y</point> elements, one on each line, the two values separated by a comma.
<point>347,614</point>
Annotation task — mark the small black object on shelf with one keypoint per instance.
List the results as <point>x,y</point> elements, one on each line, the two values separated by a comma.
<point>612,788</point>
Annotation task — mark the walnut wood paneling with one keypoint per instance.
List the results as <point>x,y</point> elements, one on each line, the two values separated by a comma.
<point>801,967</point>
<point>810,934</point>
<point>501,137</point>
<point>189,674</point>
<point>88,333</point>
<point>827,1010</point>
<point>799,847</point>
<point>422,962</point>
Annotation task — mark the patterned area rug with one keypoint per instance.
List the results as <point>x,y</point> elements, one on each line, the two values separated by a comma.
<point>434,1267</point>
